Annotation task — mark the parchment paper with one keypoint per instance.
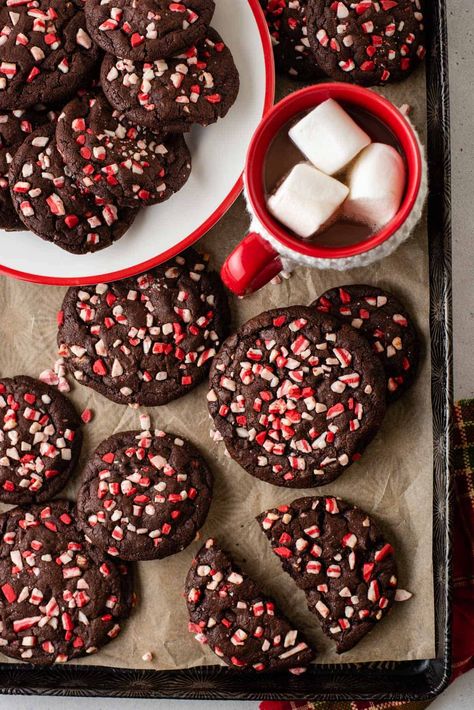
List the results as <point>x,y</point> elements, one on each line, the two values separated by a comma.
<point>393,481</point>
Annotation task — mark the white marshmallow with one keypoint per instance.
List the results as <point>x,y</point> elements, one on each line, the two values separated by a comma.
<point>306,200</point>
<point>376,184</point>
<point>328,137</point>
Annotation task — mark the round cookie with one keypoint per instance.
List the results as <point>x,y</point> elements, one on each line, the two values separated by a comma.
<point>15,126</point>
<point>46,52</point>
<point>119,162</point>
<point>382,319</point>
<point>286,20</point>
<point>40,440</point>
<point>148,339</point>
<point>198,86</point>
<point>60,598</point>
<point>144,30</point>
<point>244,627</point>
<point>337,555</point>
<point>49,202</point>
<point>366,43</point>
<point>296,396</point>
<point>144,496</point>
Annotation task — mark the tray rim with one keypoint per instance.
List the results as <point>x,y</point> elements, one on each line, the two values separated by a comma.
<point>400,681</point>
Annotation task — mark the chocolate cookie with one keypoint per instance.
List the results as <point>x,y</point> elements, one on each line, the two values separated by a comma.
<point>382,319</point>
<point>296,398</point>
<point>366,42</point>
<point>46,51</point>
<point>60,598</point>
<point>144,496</point>
<point>198,86</point>
<point>14,127</point>
<point>144,30</point>
<point>241,624</point>
<point>286,20</point>
<point>148,339</point>
<point>117,161</point>
<point>336,554</point>
<point>49,202</point>
<point>40,440</point>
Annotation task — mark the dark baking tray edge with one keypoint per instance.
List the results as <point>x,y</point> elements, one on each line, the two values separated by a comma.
<point>409,680</point>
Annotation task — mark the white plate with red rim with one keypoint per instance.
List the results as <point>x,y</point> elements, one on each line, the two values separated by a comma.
<point>218,154</point>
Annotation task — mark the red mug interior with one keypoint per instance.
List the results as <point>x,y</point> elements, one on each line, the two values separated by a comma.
<point>255,255</point>
<point>307,99</point>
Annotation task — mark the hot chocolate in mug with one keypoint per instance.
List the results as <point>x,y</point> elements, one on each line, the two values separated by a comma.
<point>269,247</point>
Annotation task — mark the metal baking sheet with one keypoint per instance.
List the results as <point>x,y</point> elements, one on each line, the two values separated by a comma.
<point>390,680</point>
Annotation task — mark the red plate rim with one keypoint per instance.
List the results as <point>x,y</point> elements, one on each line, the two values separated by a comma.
<point>205,226</point>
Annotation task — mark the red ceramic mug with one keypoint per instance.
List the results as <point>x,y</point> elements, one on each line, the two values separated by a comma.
<point>256,260</point>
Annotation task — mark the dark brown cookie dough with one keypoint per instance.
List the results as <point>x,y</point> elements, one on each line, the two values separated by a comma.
<point>46,53</point>
<point>286,20</point>
<point>15,126</point>
<point>382,319</point>
<point>40,440</point>
<point>117,161</point>
<point>241,624</point>
<point>60,598</point>
<point>336,554</point>
<point>367,42</point>
<point>144,30</point>
<point>148,339</point>
<point>49,202</point>
<point>296,398</point>
<point>197,86</point>
<point>144,495</point>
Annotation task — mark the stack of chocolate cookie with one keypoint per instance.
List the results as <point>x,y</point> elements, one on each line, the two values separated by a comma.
<point>119,145</point>
<point>364,42</point>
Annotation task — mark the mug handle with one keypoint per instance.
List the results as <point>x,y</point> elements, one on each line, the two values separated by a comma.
<point>252,264</point>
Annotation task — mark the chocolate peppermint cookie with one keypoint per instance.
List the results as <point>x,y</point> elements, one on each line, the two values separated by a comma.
<point>50,203</point>
<point>197,86</point>
<point>286,20</point>
<point>60,598</point>
<point>45,53</point>
<point>240,623</point>
<point>382,319</point>
<point>336,554</point>
<point>144,30</point>
<point>117,161</point>
<point>367,42</point>
<point>144,495</point>
<point>15,126</point>
<point>296,396</point>
<point>148,339</point>
<point>40,440</point>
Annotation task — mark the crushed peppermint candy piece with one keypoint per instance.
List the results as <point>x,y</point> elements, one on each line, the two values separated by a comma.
<point>349,576</point>
<point>230,613</point>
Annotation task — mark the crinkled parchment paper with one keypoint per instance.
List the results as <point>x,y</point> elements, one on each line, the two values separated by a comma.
<point>393,481</point>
